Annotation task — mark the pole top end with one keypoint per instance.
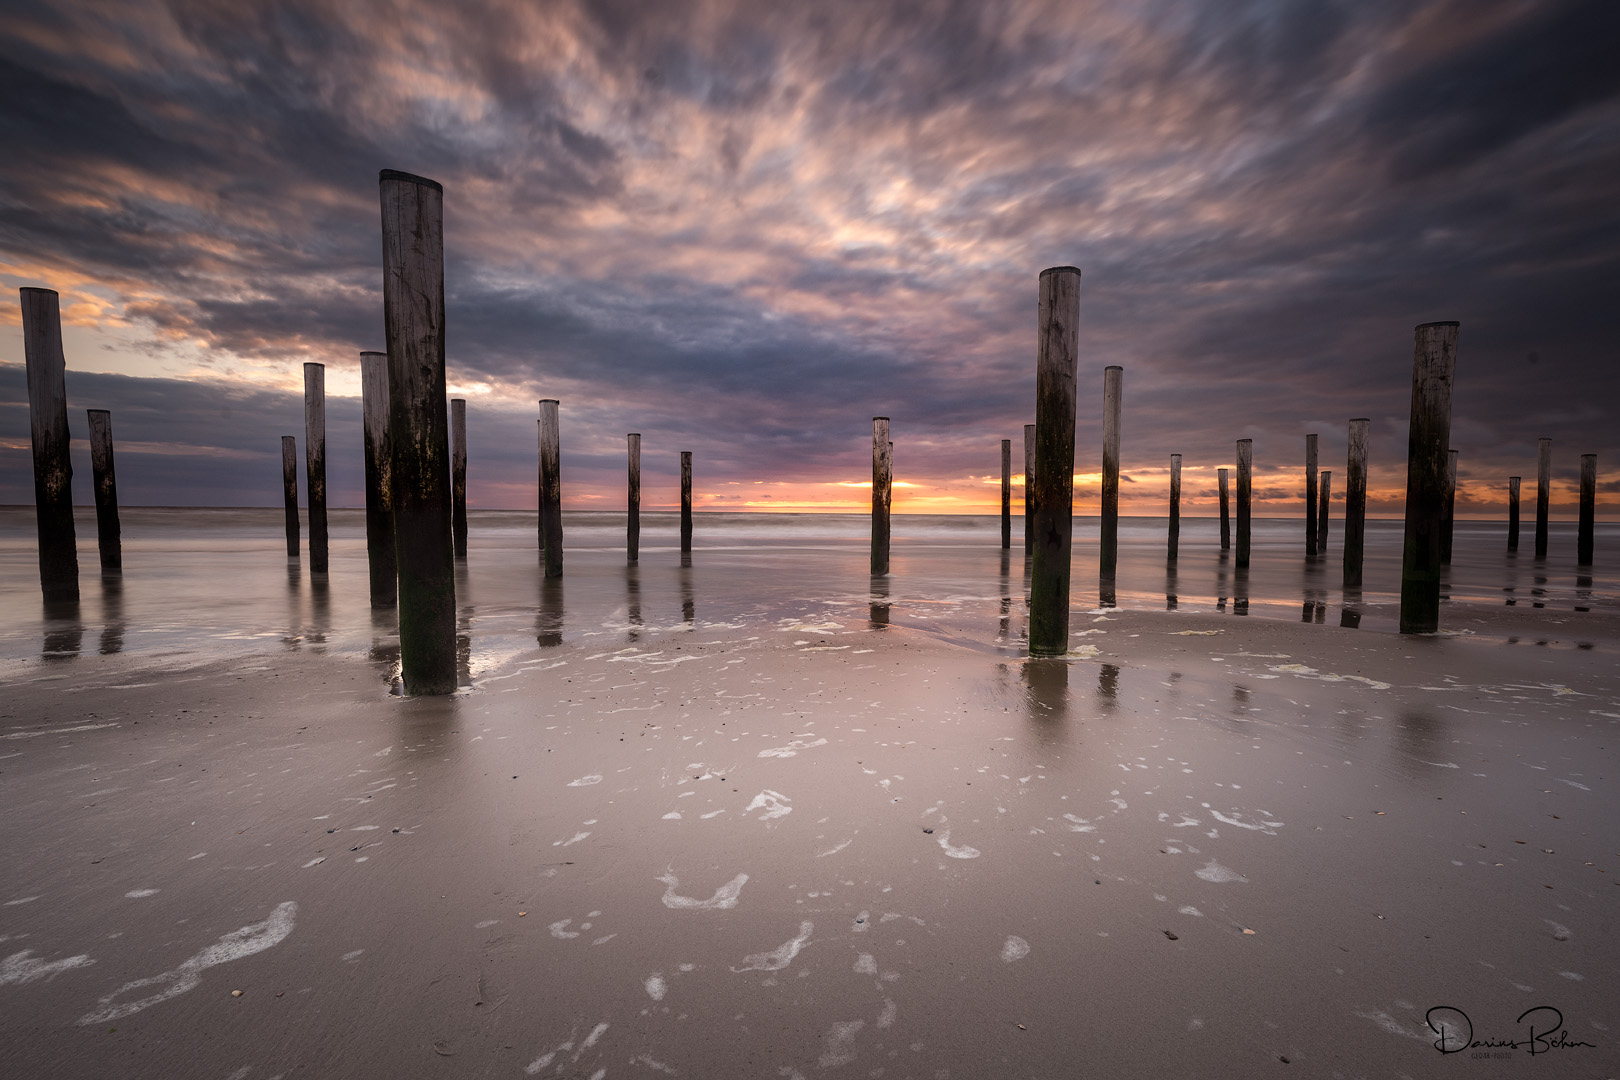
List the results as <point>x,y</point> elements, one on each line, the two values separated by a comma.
<point>548,401</point>
<point>1447,322</point>
<point>373,352</point>
<point>1361,419</point>
<point>313,363</point>
<point>1075,270</point>
<point>37,289</point>
<point>1114,367</point>
<point>632,435</point>
<point>103,412</point>
<point>409,178</point>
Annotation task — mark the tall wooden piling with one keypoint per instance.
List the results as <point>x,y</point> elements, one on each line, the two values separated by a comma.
<point>108,534</point>
<point>1448,509</point>
<point>551,532</point>
<point>1323,497</point>
<point>632,522</point>
<point>1029,489</point>
<point>1513,514</point>
<point>458,475</point>
<point>379,498</point>
<point>1434,366</point>
<point>289,492</point>
<point>1310,495</point>
<point>882,496</point>
<point>418,428</point>
<point>1175,508</point>
<point>1226,509</point>
<point>686,502</point>
<point>1006,493</point>
<point>1057,346</point>
<point>53,468</point>
<point>315,462</point>
<point>1245,489</point>
<point>1543,493</point>
<point>1113,393</point>
<point>1583,543</point>
<point>1355,502</point>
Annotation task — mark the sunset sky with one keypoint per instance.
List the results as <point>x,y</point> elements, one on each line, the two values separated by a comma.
<point>744,229</point>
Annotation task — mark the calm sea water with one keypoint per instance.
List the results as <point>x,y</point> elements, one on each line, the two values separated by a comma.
<point>199,584</point>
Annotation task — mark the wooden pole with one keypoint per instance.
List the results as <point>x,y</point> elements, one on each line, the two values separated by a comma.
<point>1310,495</point>
<point>882,495</point>
<point>108,534</point>
<point>1513,513</point>
<point>53,468</point>
<point>1029,489</point>
<point>1245,488</point>
<point>1113,392</point>
<point>1448,509</point>
<point>1543,493</point>
<point>1355,502</point>
<point>418,428</point>
<point>289,491</point>
<point>632,526</point>
<point>458,475</point>
<point>379,498</point>
<point>1175,507</point>
<point>315,462</point>
<point>686,502</point>
<point>1056,354</point>
<point>551,486</point>
<point>1434,367</point>
<point>1006,493</point>
<point>1583,544</point>
<point>1226,510</point>
<point>1323,495</point>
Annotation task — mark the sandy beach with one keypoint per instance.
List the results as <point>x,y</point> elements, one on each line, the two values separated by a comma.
<point>670,828</point>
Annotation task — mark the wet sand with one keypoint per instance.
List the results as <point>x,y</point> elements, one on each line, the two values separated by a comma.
<point>666,831</point>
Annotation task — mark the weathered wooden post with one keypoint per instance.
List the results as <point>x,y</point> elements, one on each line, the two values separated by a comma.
<point>108,537</point>
<point>289,491</point>
<point>1245,488</point>
<point>53,468</point>
<point>882,478</point>
<point>1056,354</point>
<point>1175,507</point>
<point>413,314</point>
<point>1543,493</point>
<point>1434,366</point>
<point>1029,489</point>
<point>1310,496</point>
<point>1448,509</point>
<point>1226,510</point>
<point>1583,543</point>
<point>1355,502</point>
<point>458,475</point>
<point>1006,493</point>
<point>632,524</point>
<point>686,502</point>
<point>1323,495</point>
<point>1513,514</point>
<point>379,497</point>
<point>1113,393</point>
<point>315,462</point>
<point>551,486</point>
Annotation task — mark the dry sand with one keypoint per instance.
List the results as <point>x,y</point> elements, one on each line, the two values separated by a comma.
<point>1208,846</point>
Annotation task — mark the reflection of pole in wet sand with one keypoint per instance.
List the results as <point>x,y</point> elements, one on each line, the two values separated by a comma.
<point>1108,685</point>
<point>320,602</point>
<point>64,631</point>
<point>112,613</point>
<point>295,614</point>
<point>548,628</point>
<point>1047,689</point>
<point>1350,616</point>
<point>464,618</point>
<point>1171,601</point>
<point>880,602</point>
<point>632,590</point>
<point>688,598</point>
<point>1107,594</point>
<point>1004,627</point>
<point>1222,584</point>
<point>1583,592</point>
<point>384,649</point>
<point>1240,591</point>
